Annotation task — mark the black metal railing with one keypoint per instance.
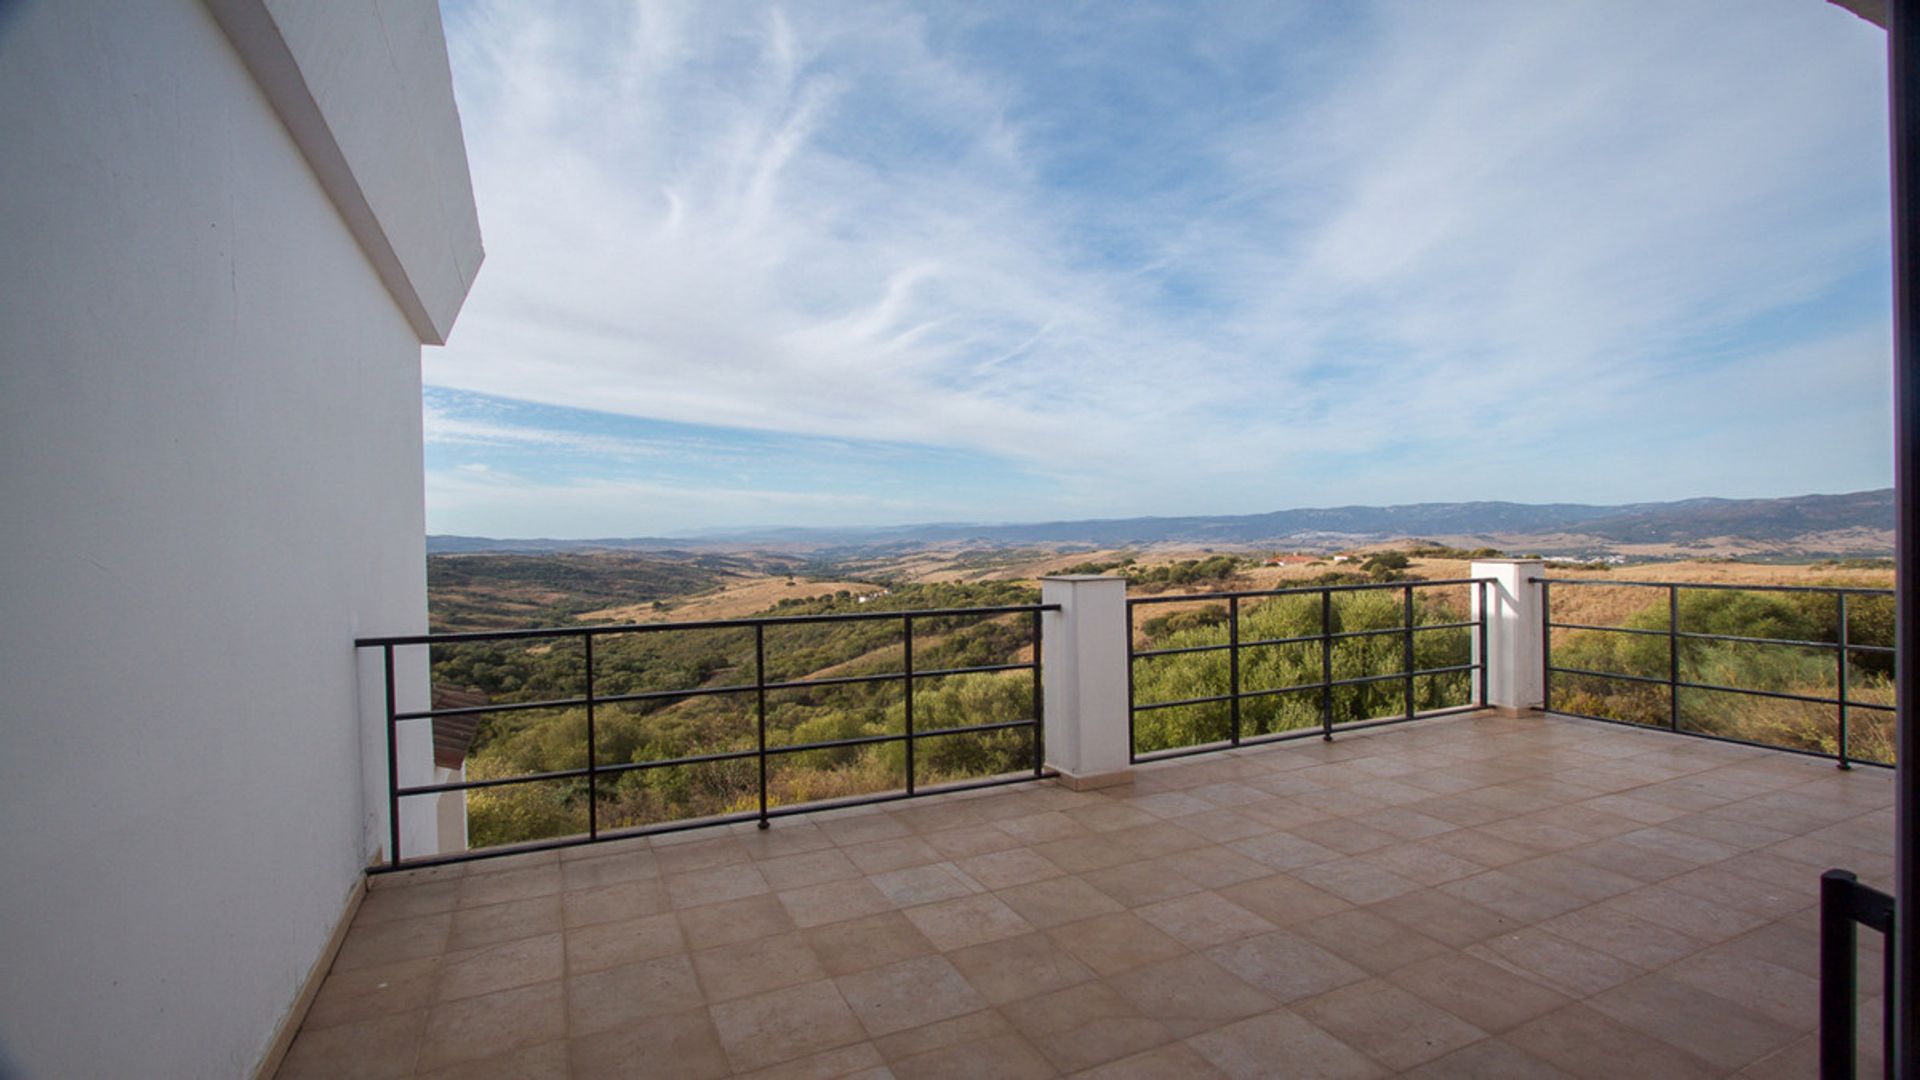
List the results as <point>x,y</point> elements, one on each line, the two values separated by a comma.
<point>1331,633</point>
<point>1842,646</point>
<point>594,771</point>
<point>1844,905</point>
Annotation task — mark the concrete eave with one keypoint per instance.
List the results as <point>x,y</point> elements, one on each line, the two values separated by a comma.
<point>366,92</point>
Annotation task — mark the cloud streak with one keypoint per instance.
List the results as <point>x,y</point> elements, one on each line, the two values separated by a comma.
<point>1227,259</point>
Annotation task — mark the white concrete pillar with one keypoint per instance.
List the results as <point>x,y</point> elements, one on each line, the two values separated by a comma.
<point>1515,657</point>
<point>1084,679</point>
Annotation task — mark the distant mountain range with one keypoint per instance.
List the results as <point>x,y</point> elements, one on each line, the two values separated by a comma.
<point>1860,522</point>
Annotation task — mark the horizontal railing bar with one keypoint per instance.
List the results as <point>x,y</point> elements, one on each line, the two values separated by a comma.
<point>667,695</point>
<point>982,669</point>
<point>1718,689</point>
<point>1305,639</point>
<point>1606,675</point>
<point>1850,590</point>
<point>707,759</point>
<point>449,638</point>
<point>1663,729</point>
<point>1307,590</point>
<point>1269,692</point>
<point>474,710</point>
<point>1220,745</point>
<point>502,781</point>
<point>1605,629</point>
<point>608,835</point>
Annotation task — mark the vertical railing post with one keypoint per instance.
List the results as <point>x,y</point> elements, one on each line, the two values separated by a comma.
<point>1040,704</point>
<point>593,755</point>
<point>1673,657</point>
<point>1546,649</point>
<point>1406,652</point>
<point>1840,677</point>
<point>1233,669</point>
<point>1837,976</point>
<point>760,710</point>
<point>1087,691</point>
<point>906,623</point>
<point>393,762</point>
<point>1480,589</point>
<point>1512,651</point>
<point>1326,665</point>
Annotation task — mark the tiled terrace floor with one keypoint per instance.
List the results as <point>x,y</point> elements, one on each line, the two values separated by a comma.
<point>1469,897</point>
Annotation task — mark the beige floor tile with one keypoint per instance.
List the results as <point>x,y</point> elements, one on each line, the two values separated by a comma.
<point>427,898</point>
<point>1174,1061</point>
<point>1489,997</point>
<point>1388,1024</point>
<point>372,993</point>
<point>756,966</point>
<point>1447,919</point>
<point>1004,1057</point>
<point>716,885</point>
<point>1203,920</point>
<point>1703,1024</point>
<point>908,994</point>
<point>1084,854</point>
<point>1503,893</point>
<point>1283,899</point>
<point>1190,994</point>
<point>680,853</point>
<point>968,840</point>
<point>736,920</point>
<point>1488,1059</point>
<point>1256,1048</point>
<point>879,856</point>
<point>832,901</point>
<point>547,1061</point>
<point>612,903</point>
<point>606,945</point>
<point>870,941</point>
<point>500,967</point>
<point>1627,937</point>
<point>1589,1045</point>
<point>494,1024</point>
<point>972,1027</point>
<point>1371,941</point>
<point>1284,850</point>
<point>1058,900</point>
<point>1087,1025</point>
<point>370,1049</point>
<point>1110,944</point>
<point>494,923</point>
<point>1137,883</point>
<point>1704,920</point>
<point>808,868</point>
<point>618,995</point>
<point>862,827</point>
<point>1785,996</point>
<point>781,1025</point>
<point>1014,968</point>
<point>859,1061</point>
<point>390,942</point>
<point>1285,965</point>
<point>682,1046</point>
<point>922,884</point>
<point>1006,868</point>
<point>1356,880</point>
<point>968,920</point>
<point>478,889</point>
<point>613,870</point>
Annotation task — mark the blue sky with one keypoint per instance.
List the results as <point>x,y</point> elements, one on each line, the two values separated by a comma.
<point>863,263</point>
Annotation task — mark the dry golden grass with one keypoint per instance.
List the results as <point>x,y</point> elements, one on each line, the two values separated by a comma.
<point>737,600</point>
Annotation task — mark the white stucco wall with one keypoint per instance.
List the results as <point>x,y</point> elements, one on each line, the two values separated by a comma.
<point>210,483</point>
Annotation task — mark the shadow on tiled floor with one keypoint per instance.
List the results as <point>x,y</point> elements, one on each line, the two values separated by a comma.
<point>1469,897</point>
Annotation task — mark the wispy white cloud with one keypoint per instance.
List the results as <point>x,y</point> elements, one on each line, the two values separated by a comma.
<point>1231,258</point>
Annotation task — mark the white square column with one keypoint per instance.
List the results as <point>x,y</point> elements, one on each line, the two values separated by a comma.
<point>1084,679</point>
<point>1515,657</point>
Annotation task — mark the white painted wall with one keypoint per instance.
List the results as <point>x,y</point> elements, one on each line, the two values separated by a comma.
<point>210,483</point>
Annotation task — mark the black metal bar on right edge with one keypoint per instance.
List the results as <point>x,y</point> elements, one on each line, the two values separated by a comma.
<point>906,653</point>
<point>393,764</point>
<point>593,754</point>
<point>1039,704</point>
<point>1233,669</point>
<point>1546,649</point>
<point>1406,653</point>
<point>1838,979</point>
<point>1903,78</point>
<point>760,709</point>
<point>1326,665</point>
<point>1673,657</point>
<point>1840,691</point>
